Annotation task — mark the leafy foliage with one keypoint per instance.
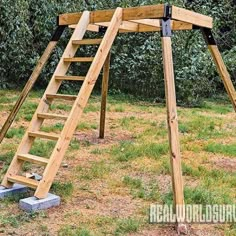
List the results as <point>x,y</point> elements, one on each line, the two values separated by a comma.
<point>26,27</point>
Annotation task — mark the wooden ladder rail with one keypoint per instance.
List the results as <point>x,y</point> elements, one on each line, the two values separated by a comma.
<point>79,105</point>
<point>44,103</point>
<point>222,70</point>
<point>30,83</point>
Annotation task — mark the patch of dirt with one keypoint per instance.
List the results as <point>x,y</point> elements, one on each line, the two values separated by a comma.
<point>227,164</point>
<point>91,136</point>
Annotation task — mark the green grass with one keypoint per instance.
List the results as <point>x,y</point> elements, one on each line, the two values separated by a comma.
<point>128,150</point>
<point>64,190</point>
<point>72,231</point>
<point>217,108</point>
<point>147,191</point>
<point>125,226</point>
<point>91,108</point>
<point>226,149</point>
<point>86,126</point>
<point>53,128</point>
<point>119,108</point>
<point>134,183</point>
<point>200,195</point>
<point>42,148</point>
<point>74,144</point>
<point>97,170</point>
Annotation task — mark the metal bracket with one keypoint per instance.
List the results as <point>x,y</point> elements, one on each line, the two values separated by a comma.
<point>167,10</point>
<point>166,21</point>
<point>166,28</point>
<point>102,29</point>
<point>59,31</point>
<point>208,36</point>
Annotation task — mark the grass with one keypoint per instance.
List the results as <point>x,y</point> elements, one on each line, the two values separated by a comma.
<point>126,226</point>
<point>120,175</point>
<point>64,190</point>
<point>97,170</point>
<point>42,148</point>
<point>71,231</point>
<point>129,150</point>
<point>226,149</point>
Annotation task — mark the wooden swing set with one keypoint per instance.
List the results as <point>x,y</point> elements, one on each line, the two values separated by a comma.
<point>162,17</point>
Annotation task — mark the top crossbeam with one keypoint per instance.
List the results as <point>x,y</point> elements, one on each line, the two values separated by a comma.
<point>143,12</point>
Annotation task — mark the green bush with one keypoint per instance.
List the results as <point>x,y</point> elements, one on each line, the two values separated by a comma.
<point>27,25</point>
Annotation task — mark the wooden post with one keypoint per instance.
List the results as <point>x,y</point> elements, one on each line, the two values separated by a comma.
<point>105,80</point>
<point>175,159</point>
<point>30,83</point>
<point>224,74</point>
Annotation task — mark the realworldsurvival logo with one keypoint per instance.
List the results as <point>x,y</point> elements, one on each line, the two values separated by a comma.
<point>193,213</point>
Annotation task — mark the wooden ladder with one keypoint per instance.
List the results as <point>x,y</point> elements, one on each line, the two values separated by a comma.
<point>63,139</point>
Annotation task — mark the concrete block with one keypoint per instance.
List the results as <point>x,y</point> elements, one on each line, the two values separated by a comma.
<point>17,188</point>
<point>32,204</point>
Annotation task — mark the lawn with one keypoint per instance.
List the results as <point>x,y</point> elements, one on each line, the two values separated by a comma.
<point>107,185</point>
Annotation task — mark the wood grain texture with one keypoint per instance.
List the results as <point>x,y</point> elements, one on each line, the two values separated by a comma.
<point>132,13</point>
<point>30,83</point>
<point>191,17</point>
<point>79,105</point>
<point>43,106</point>
<point>105,81</point>
<point>224,74</point>
<point>172,121</point>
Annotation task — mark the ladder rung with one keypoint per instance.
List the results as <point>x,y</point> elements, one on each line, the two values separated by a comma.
<point>33,159</point>
<point>40,134</point>
<point>78,78</point>
<point>86,41</point>
<point>79,59</point>
<point>23,180</point>
<point>51,116</point>
<point>61,96</point>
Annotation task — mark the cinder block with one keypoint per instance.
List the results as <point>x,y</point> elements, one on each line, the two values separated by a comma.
<point>32,204</point>
<point>17,188</point>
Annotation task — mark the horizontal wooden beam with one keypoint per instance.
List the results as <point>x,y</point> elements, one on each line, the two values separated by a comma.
<point>145,17</point>
<point>191,17</point>
<point>133,13</point>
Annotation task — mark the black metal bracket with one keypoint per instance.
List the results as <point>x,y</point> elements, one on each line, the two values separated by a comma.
<point>102,29</point>
<point>59,31</point>
<point>208,36</point>
<point>167,10</point>
<point>166,21</point>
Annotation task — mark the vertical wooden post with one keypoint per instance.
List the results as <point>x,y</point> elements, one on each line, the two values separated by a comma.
<point>105,80</point>
<point>30,83</point>
<point>224,74</point>
<point>175,159</point>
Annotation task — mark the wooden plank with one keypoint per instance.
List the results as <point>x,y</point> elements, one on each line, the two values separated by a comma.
<point>61,97</point>
<point>30,83</point>
<point>87,41</point>
<point>125,25</point>
<point>78,59</point>
<point>133,13</point>
<point>33,159</point>
<point>191,17</point>
<point>175,159</point>
<point>224,74</point>
<point>80,103</point>
<point>76,78</point>
<point>23,180</point>
<point>40,134</point>
<point>175,25</point>
<point>52,88</point>
<point>105,80</point>
<point>52,116</point>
